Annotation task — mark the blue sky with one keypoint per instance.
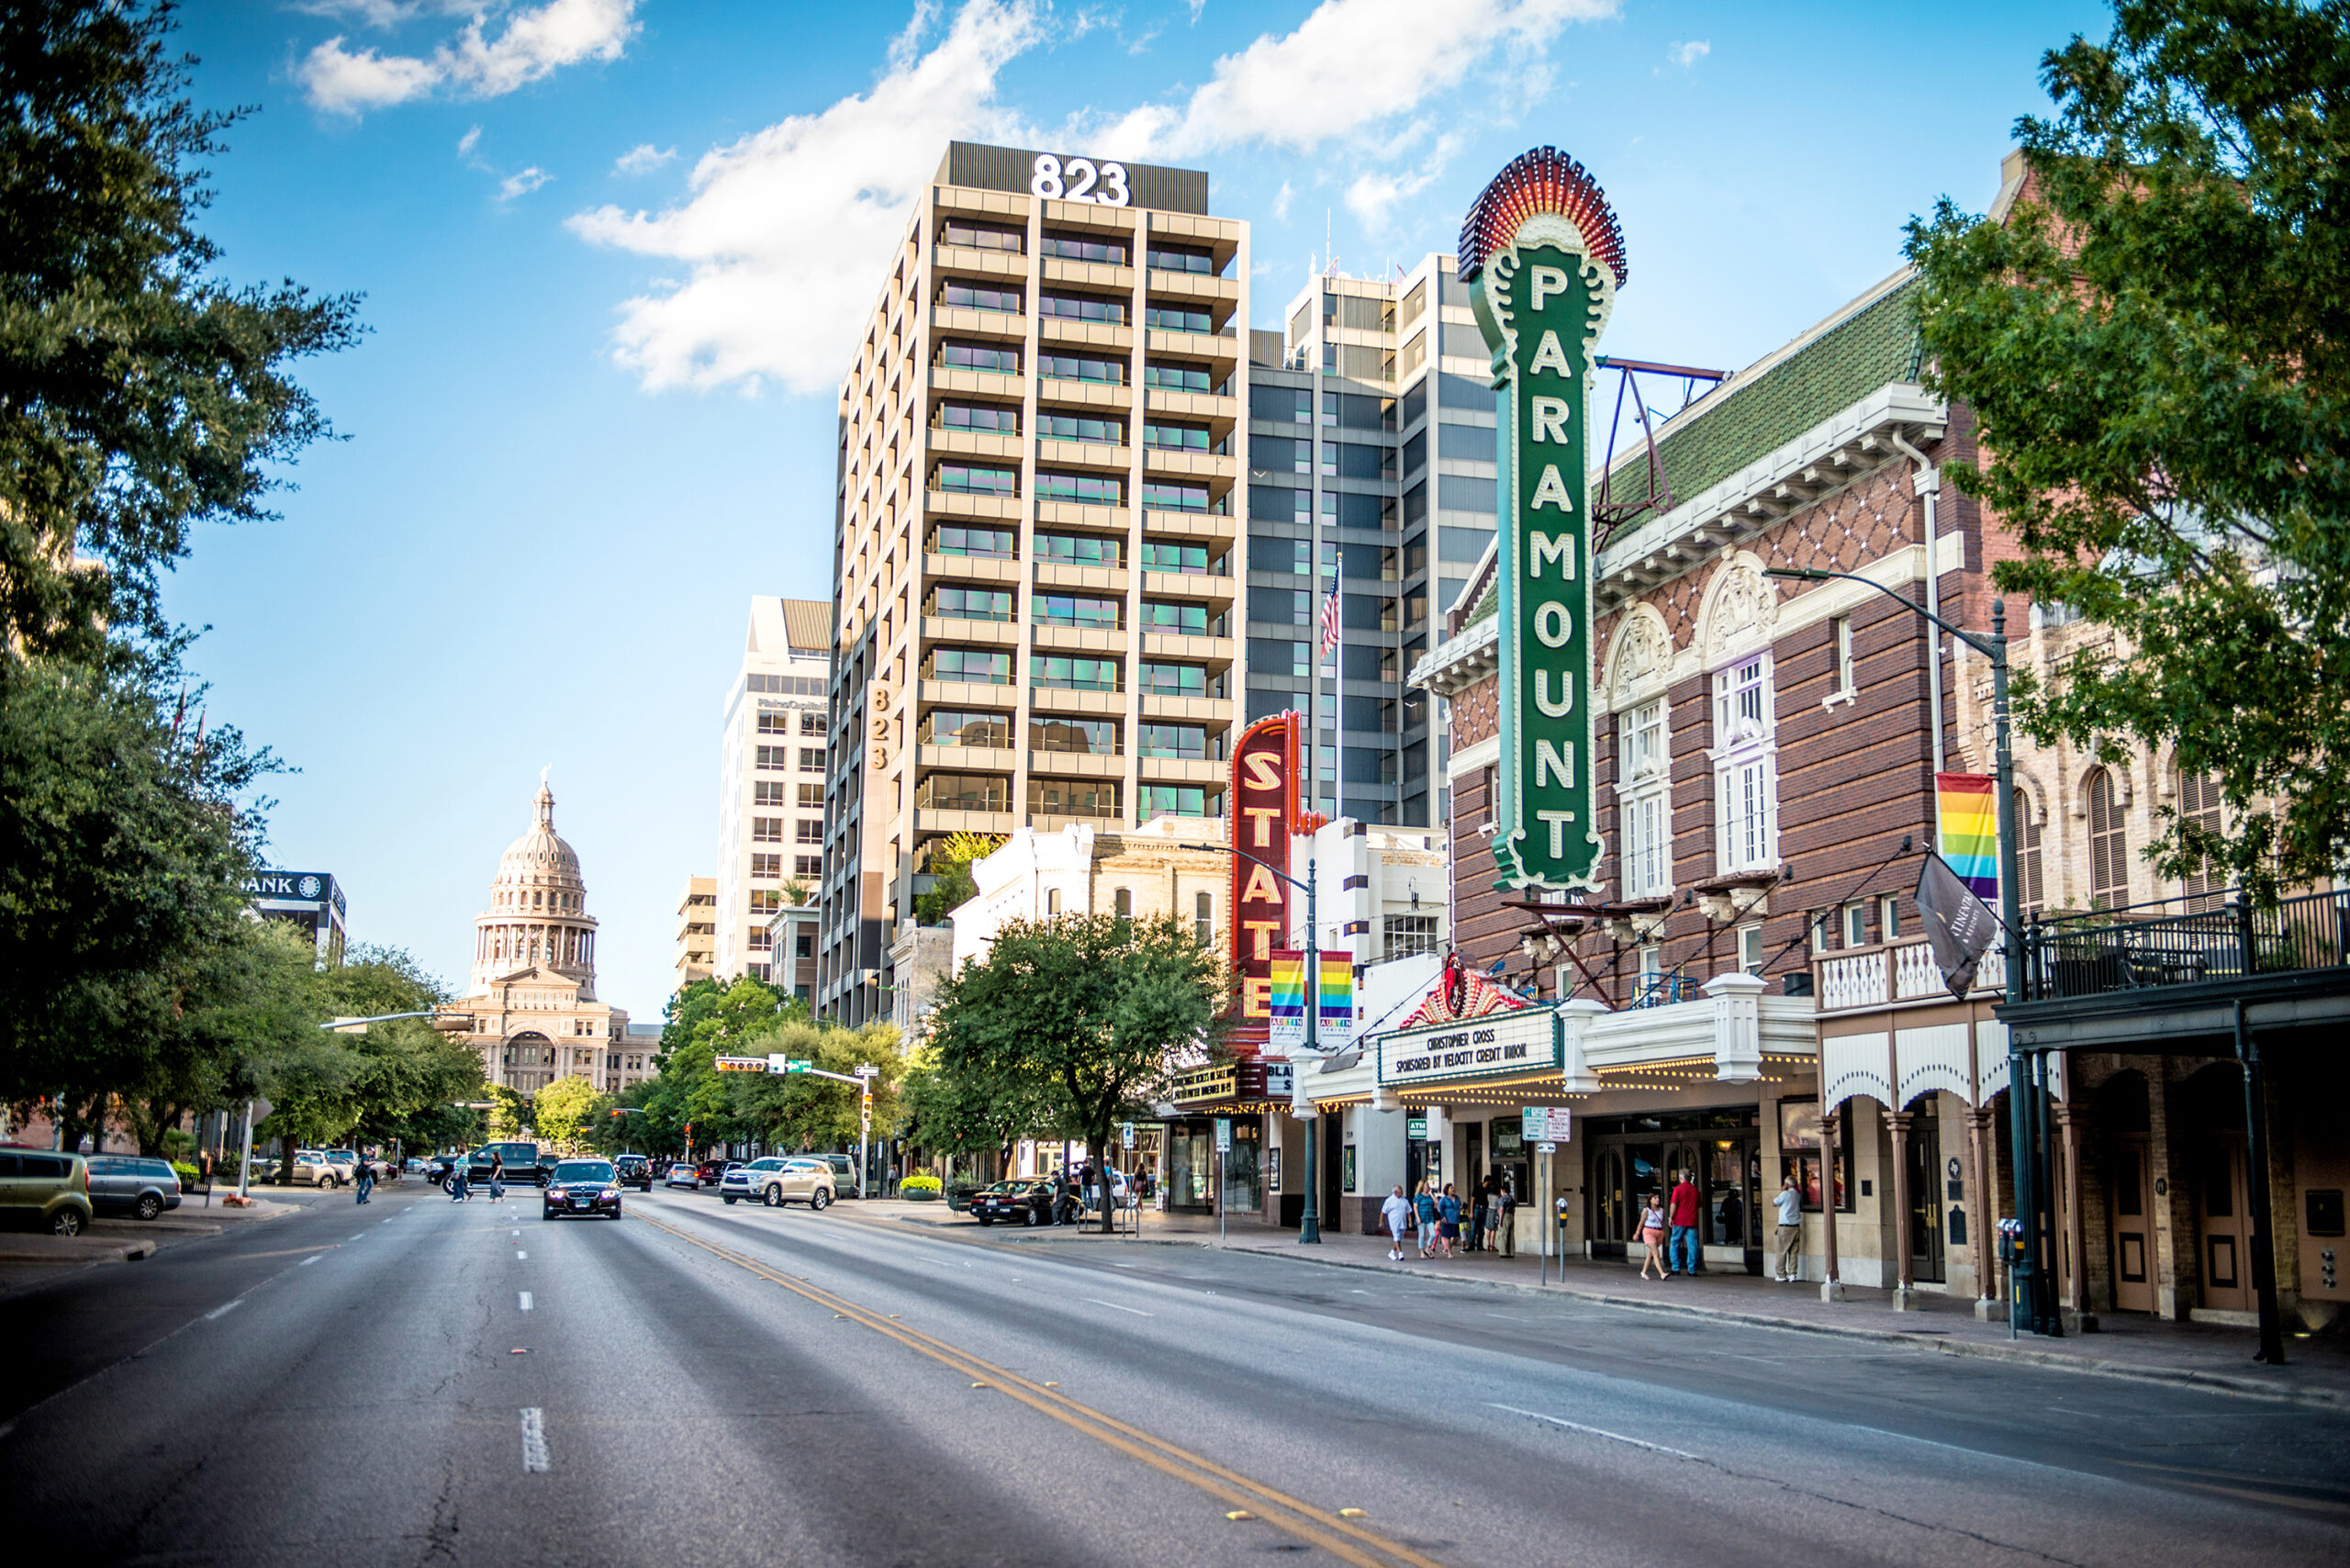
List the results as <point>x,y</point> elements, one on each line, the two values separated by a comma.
<point>612,252</point>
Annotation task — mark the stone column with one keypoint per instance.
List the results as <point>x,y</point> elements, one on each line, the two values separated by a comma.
<point>2073,1255</point>
<point>1982,1210</point>
<point>1905,1285</point>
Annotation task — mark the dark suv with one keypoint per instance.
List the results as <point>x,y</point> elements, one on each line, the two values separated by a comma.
<point>521,1162</point>
<point>633,1171</point>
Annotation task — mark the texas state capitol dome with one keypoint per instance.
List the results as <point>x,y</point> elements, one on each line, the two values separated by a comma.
<point>533,996</point>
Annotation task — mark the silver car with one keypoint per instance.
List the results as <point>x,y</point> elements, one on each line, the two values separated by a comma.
<point>780,1180</point>
<point>132,1184</point>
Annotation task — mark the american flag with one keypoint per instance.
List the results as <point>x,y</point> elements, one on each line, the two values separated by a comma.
<point>1330,616</point>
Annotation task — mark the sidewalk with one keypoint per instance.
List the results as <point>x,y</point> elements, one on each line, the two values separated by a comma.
<point>2317,1371</point>
<point>29,1255</point>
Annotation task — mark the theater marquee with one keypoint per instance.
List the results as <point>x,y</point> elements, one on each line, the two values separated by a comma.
<point>1543,257</point>
<point>1499,1045</point>
<point>1260,813</point>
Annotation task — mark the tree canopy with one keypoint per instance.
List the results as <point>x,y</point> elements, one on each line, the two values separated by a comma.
<point>2156,342</point>
<point>1076,1016</point>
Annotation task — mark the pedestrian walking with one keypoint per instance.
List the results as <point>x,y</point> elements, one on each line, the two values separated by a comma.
<point>1652,1236</point>
<point>1424,1210</point>
<point>1448,1219</point>
<point>1789,1203</point>
<point>1685,1203</point>
<point>1504,1220</point>
<point>497,1176</point>
<point>459,1188</point>
<point>367,1182</point>
<point>1395,1214</point>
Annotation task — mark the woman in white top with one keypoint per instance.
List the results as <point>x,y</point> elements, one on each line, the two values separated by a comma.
<point>1653,1233</point>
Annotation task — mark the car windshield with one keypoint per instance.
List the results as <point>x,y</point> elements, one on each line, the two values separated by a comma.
<point>582,1171</point>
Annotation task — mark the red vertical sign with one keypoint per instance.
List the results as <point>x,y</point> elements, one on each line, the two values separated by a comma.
<point>1261,813</point>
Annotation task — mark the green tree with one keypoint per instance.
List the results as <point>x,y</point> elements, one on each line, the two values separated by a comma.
<point>510,1112</point>
<point>244,1021</point>
<point>950,868</point>
<point>958,1115</point>
<point>563,1110</point>
<point>1078,1015</point>
<point>140,394</point>
<point>2156,342</point>
<point>796,1112</point>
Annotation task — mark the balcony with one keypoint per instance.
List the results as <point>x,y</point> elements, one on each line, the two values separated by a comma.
<point>1209,406</point>
<point>1044,700</point>
<point>1049,638</point>
<point>1194,286</point>
<point>964,321</point>
<point>978,262</point>
<point>971,568</point>
<point>1172,463</point>
<point>2188,946</point>
<point>1195,709</point>
<point>1078,763</point>
<point>1182,770</point>
<point>964,504</point>
<point>1000,823</point>
<point>1214,588</point>
<point>1113,339</point>
<point>984,633</point>
<point>1101,275</point>
<point>1064,392</point>
<point>1090,455</point>
<point>967,758</point>
<point>1211,650</point>
<point>1895,974</point>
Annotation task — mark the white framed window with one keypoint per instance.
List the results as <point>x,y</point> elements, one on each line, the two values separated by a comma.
<point>1888,916</point>
<point>1844,655</point>
<point>1644,800</point>
<point>1856,925</point>
<point>1746,771</point>
<point>1749,948</point>
<point>1823,931</point>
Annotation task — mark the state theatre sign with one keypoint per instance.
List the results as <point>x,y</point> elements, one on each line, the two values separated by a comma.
<point>1262,812</point>
<point>1543,257</point>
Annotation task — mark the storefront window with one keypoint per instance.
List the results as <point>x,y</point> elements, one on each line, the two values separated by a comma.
<point>1799,1151</point>
<point>1244,1172</point>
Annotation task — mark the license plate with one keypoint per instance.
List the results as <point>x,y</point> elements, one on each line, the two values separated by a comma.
<point>583,1203</point>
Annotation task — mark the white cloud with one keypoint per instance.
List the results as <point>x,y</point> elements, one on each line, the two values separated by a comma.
<point>786,230</point>
<point>643,158</point>
<point>1342,72</point>
<point>523,183</point>
<point>1281,198</point>
<point>467,142</point>
<point>534,43</point>
<point>1689,53</point>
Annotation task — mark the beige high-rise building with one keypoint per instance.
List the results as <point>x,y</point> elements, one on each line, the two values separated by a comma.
<point>697,929</point>
<point>771,772</point>
<point>1038,547</point>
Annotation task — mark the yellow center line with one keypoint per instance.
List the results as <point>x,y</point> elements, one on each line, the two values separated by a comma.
<point>1343,1539</point>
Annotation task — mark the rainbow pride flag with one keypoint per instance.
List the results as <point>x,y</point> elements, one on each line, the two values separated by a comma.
<point>1338,1000</point>
<point>1335,999</point>
<point>1287,996</point>
<point>1966,814</point>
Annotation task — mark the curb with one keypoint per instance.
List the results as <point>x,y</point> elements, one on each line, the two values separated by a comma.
<point>2209,1381</point>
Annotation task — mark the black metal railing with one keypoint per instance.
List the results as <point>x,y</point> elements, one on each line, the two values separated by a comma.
<point>2184,941</point>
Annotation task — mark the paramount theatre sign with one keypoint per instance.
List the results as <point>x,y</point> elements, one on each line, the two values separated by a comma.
<point>1543,257</point>
<point>1260,813</point>
<point>1499,1045</point>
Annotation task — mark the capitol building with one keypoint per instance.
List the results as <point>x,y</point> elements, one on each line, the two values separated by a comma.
<point>532,993</point>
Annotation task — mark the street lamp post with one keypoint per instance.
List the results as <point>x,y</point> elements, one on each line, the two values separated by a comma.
<point>1309,1226</point>
<point>2029,1300</point>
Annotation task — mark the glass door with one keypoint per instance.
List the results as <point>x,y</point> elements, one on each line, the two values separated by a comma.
<point>1925,1143</point>
<point>1611,1210</point>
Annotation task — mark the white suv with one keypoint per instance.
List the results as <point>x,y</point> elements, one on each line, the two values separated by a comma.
<point>780,1179</point>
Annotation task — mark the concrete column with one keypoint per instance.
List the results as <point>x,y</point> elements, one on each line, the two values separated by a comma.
<point>1981,1233</point>
<point>1905,1285</point>
<point>2073,1255</point>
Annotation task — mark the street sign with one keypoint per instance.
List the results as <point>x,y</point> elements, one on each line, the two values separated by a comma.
<point>1547,1123</point>
<point>1126,1134</point>
<point>1546,1147</point>
<point>1224,1135</point>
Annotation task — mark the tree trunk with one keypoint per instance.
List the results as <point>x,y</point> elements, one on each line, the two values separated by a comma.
<point>1097,1149</point>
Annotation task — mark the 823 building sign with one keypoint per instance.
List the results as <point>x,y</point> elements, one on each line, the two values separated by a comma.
<point>1080,179</point>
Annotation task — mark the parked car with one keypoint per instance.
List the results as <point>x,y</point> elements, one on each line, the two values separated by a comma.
<point>633,1171</point>
<point>708,1172</point>
<point>313,1168</point>
<point>51,1188</point>
<point>417,1165</point>
<point>524,1163</point>
<point>781,1179</point>
<point>132,1184</point>
<point>438,1169</point>
<point>1026,1200</point>
<point>844,1172</point>
<point>581,1187</point>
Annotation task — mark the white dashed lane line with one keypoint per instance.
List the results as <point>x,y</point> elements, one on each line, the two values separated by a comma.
<point>519,1254</point>
<point>1115,1307</point>
<point>526,1301</point>
<point>534,1439</point>
<point>310,1260</point>
<point>223,1310</point>
<point>1596,1431</point>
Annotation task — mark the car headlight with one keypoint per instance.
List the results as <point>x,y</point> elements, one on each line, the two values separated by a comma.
<point>611,1191</point>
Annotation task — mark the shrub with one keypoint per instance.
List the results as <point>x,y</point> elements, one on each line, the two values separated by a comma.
<point>918,1182</point>
<point>189,1175</point>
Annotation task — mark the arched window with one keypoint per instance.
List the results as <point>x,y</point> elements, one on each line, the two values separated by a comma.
<point>2031,891</point>
<point>1203,918</point>
<point>1052,900</point>
<point>1123,901</point>
<point>2198,803</point>
<point>2109,845</point>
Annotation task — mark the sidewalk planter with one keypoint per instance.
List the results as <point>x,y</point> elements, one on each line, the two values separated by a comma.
<point>919,1189</point>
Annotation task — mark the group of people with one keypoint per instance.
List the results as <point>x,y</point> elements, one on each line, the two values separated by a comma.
<point>461,1188</point>
<point>1436,1216</point>
<point>1668,1230</point>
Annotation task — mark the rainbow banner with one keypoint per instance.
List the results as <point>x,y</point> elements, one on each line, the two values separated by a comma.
<point>1286,997</point>
<point>1966,814</point>
<point>1336,1024</point>
<point>1335,999</point>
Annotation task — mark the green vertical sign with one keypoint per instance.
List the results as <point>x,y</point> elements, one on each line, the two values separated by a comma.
<point>1541,305</point>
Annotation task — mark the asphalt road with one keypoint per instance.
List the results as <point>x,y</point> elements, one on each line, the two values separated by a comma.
<point>420,1382</point>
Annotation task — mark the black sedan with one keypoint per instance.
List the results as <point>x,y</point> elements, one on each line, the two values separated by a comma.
<point>582,1187</point>
<point>634,1170</point>
<point>1028,1201</point>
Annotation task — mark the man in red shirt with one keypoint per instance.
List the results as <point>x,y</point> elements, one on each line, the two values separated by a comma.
<point>1682,1212</point>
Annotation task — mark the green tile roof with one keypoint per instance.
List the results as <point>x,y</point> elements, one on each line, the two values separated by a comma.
<point>1847,359</point>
